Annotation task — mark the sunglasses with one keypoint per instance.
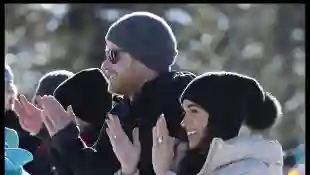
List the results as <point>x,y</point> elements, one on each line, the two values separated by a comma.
<point>113,55</point>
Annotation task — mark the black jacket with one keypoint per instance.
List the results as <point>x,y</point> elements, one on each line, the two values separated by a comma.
<point>159,96</point>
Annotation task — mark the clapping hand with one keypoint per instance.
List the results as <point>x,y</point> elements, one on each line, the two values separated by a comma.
<point>127,153</point>
<point>54,116</point>
<point>162,151</point>
<point>29,115</point>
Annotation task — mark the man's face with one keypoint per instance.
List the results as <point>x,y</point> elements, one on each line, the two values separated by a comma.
<point>118,69</point>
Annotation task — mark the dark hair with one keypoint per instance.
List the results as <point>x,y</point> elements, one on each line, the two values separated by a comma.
<point>50,81</point>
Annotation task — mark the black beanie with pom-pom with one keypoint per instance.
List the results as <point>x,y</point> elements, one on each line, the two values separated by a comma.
<point>232,99</point>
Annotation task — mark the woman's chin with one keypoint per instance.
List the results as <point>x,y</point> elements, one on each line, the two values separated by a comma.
<point>192,144</point>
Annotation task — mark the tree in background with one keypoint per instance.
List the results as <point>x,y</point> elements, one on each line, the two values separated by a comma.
<point>265,41</point>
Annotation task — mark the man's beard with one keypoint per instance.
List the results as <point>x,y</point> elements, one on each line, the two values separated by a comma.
<point>117,87</point>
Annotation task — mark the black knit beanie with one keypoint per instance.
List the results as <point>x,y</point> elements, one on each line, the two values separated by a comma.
<point>87,92</point>
<point>231,100</point>
<point>147,37</point>
<point>50,81</point>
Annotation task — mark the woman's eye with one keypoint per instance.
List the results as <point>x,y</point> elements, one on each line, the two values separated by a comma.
<point>193,110</point>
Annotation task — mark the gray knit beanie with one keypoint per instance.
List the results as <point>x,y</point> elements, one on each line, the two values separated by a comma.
<point>147,37</point>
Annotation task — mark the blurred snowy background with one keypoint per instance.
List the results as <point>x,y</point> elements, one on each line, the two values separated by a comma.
<point>266,41</point>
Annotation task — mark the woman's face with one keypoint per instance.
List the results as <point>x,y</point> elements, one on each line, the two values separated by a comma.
<point>194,122</point>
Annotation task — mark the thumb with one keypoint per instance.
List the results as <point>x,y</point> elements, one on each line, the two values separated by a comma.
<point>39,101</point>
<point>135,136</point>
<point>70,112</point>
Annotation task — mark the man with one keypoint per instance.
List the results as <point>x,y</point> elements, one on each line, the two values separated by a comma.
<point>140,49</point>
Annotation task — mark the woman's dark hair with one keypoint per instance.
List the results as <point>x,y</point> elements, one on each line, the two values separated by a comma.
<point>231,99</point>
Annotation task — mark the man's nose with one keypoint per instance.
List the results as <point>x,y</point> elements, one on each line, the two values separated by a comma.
<point>106,64</point>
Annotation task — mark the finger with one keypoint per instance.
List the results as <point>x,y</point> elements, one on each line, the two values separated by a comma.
<point>22,99</point>
<point>159,128</point>
<point>117,122</point>
<point>24,102</point>
<point>19,108</point>
<point>163,123</point>
<point>51,99</point>
<point>38,99</point>
<point>114,133</point>
<point>111,138</point>
<point>163,131</point>
<point>113,125</point>
<point>54,110</point>
<point>11,103</point>
<point>117,126</point>
<point>136,139</point>
<point>47,108</point>
<point>20,113</point>
<point>109,126</point>
<point>71,113</point>
<point>48,124</point>
<point>107,121</point>
<point>110,116</point>
<point>109,134</point>
<point>154,130</point>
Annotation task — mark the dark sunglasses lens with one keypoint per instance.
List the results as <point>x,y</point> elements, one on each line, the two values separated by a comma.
<point>112,56</point>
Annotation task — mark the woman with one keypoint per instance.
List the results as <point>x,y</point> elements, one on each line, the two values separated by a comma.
<point>216,106</point>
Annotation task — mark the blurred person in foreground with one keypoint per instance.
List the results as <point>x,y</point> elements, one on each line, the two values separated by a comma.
<point>30,121</point>
<point>140,49</point>
<point>15,157</point>
<point>90,103</point>
<point>295,160</point>
<point>299,169</point>
<point>216,106</point>
<point>26,141</point>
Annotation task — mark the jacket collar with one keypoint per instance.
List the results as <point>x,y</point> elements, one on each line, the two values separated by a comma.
<point>242,147</point>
